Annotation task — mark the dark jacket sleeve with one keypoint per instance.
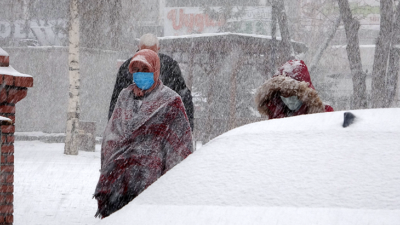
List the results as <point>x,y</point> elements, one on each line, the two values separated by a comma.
<point>123,81</point>
<point>171,76</point>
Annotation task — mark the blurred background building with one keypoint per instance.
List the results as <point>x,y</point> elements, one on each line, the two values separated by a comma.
<point>38,29</point>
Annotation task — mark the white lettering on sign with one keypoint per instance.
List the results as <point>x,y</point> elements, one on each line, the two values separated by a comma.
<point>19,29</point>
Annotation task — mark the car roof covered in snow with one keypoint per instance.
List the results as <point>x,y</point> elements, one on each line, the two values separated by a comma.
<point>299,170</point>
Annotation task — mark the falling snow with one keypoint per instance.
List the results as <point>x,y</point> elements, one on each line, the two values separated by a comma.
<point>302,170</point>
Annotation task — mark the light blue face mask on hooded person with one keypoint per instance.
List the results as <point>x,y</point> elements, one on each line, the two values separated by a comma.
<point>292,102</point>
<point>143,80</point>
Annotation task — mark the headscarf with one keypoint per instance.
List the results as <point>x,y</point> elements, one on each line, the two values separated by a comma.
<point>150,59</point>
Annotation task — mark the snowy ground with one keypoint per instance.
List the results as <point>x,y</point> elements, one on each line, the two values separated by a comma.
<point>300,170</point>
<point>53,188</point>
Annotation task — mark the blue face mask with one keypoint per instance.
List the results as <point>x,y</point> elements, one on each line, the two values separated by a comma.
<point>143,80</point>
<point>292,102</point>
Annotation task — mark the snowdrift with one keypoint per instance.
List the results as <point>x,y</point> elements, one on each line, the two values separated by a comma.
<point>300,170</point>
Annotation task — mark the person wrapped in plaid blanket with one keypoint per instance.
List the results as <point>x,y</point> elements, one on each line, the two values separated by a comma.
<point>148,134</point>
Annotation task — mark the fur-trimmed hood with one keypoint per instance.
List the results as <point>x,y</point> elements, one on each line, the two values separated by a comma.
<point>287,86</point>
<point>292,79</point>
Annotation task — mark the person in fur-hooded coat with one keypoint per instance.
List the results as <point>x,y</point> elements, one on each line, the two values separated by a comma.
<point>289,93</point>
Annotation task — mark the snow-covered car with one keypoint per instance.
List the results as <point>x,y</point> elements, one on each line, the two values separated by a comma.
<point>300,170</point>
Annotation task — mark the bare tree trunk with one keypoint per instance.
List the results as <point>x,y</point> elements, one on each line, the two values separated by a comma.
<point>382,49</point>
<point>26,9</point>
<point>12,26</point>
<point>116,10</point>
<point>210,95</point>
<point>191,66</point>
<point>237,60</point>
<point>71,146</point>
<point>351,26</point>
<point>273,41</point>
<point>396,80</point>
<point>286,45</point>
<point>393,78</point>
<point>321,50</point>
<point>392,82</point>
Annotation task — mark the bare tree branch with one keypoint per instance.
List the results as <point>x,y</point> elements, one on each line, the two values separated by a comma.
<point>286,45</point>
<point>321,50</point>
